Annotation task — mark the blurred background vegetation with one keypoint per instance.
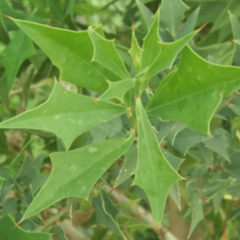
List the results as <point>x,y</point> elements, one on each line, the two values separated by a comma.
<point>211,167</point>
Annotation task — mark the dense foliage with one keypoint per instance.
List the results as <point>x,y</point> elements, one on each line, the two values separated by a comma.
<point>132,138</point>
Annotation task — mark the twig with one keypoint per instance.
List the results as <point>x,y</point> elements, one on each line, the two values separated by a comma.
<point>53,219</point>
<point>43,83</point>
<point>141,213</point>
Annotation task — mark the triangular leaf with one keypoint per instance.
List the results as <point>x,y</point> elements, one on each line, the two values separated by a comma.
<point>151,44</point>
<point>106,213</point>
<point>193,102</point>
<point>74,173</point>
<point>136,52</point>
<point>8,231</point>
<point>236,34</point>
<point>72,53</point>
<point>197,216</point>
<point>146,15</point>
<point>66,114</point>
<point>117,90</point>
<point>23,46</point>
<point>172,14</point>
<point>129,166</point>
<point>154,174</point>
<point>106,55</point>
<point>189,25</point>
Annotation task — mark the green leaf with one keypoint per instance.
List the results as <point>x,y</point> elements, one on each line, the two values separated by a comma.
<point>189,25</point>
<point>4,37</point>
<point>146,15</point>
<point>197,216</point>
<point>187,138</point>
<point>174,132</point>
<point>236,34</point>
<point>4,91</point>
<point>172,14</point>
<point>8,232</point>
<point>30,173</point>
<point>151,44</point>
<point>106,213</point>
<point>23,46</point>
<point>222,53</point>
<point>223,18</point>
<point>174,191</point>
<point>72,53</point>
<point>129,166</point>
<point>152,166</point>
<point>136,52</point>
<point>166,127</point>
<point>74,173</point>
<point>158,56</point>
<point>117,90</point>
<point>192,93</point>
<point>66,114</point>
<point>218,143</point>
<point>106,55</point>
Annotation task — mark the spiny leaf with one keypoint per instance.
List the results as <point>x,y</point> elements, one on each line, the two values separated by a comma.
<point>106,55</point>
<point>236,34</point>
<point>151,45</point>
<point>129,166</point>
<point>65,114</point>
<point>168,53</point>
<point>174,191</point>
<point>74,173</point>
<point>4,91</point>
<point>4,37</point>
<point>197,216</point>
<point>158,56</point>
<point>117,90</point>
<point>23,46</point>
<point>172,14</point>
<point>152,166</point>
<point>72,53</point>
<point>106,213</point>
<point>146,15</point>
<point>219,143</point>
<point>189,25</point>
<point>187,138</point>
<point>136,51</point>
<point>193,102</point>
<point>8,232</point>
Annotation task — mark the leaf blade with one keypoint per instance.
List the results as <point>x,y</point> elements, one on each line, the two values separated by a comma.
<point>62,109</point>
<point>162,176</point>
<point>85,166</point>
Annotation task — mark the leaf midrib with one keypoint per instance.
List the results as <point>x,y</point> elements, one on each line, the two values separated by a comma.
<point>70,50</point>
<point>148,150</point>
<point>190,95</point>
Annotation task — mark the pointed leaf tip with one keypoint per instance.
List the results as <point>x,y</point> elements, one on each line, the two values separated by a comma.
<point>8,17</point>
<point>18,223</point>
<point>133,28</point>
<point>200,5</point>
<point>203,26</point>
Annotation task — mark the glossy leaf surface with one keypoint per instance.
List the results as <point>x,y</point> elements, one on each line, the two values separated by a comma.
<point>8,232</point>
<point>152,166</point>
<point>172,14</point>
<point>62,109</point>
<point>106,213</point>
<point>23,46</point>
<point>117,90</point>
<point>193,102</point>
<point>74,173</point>
<point>106,55</point>
<point>72,53</point>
